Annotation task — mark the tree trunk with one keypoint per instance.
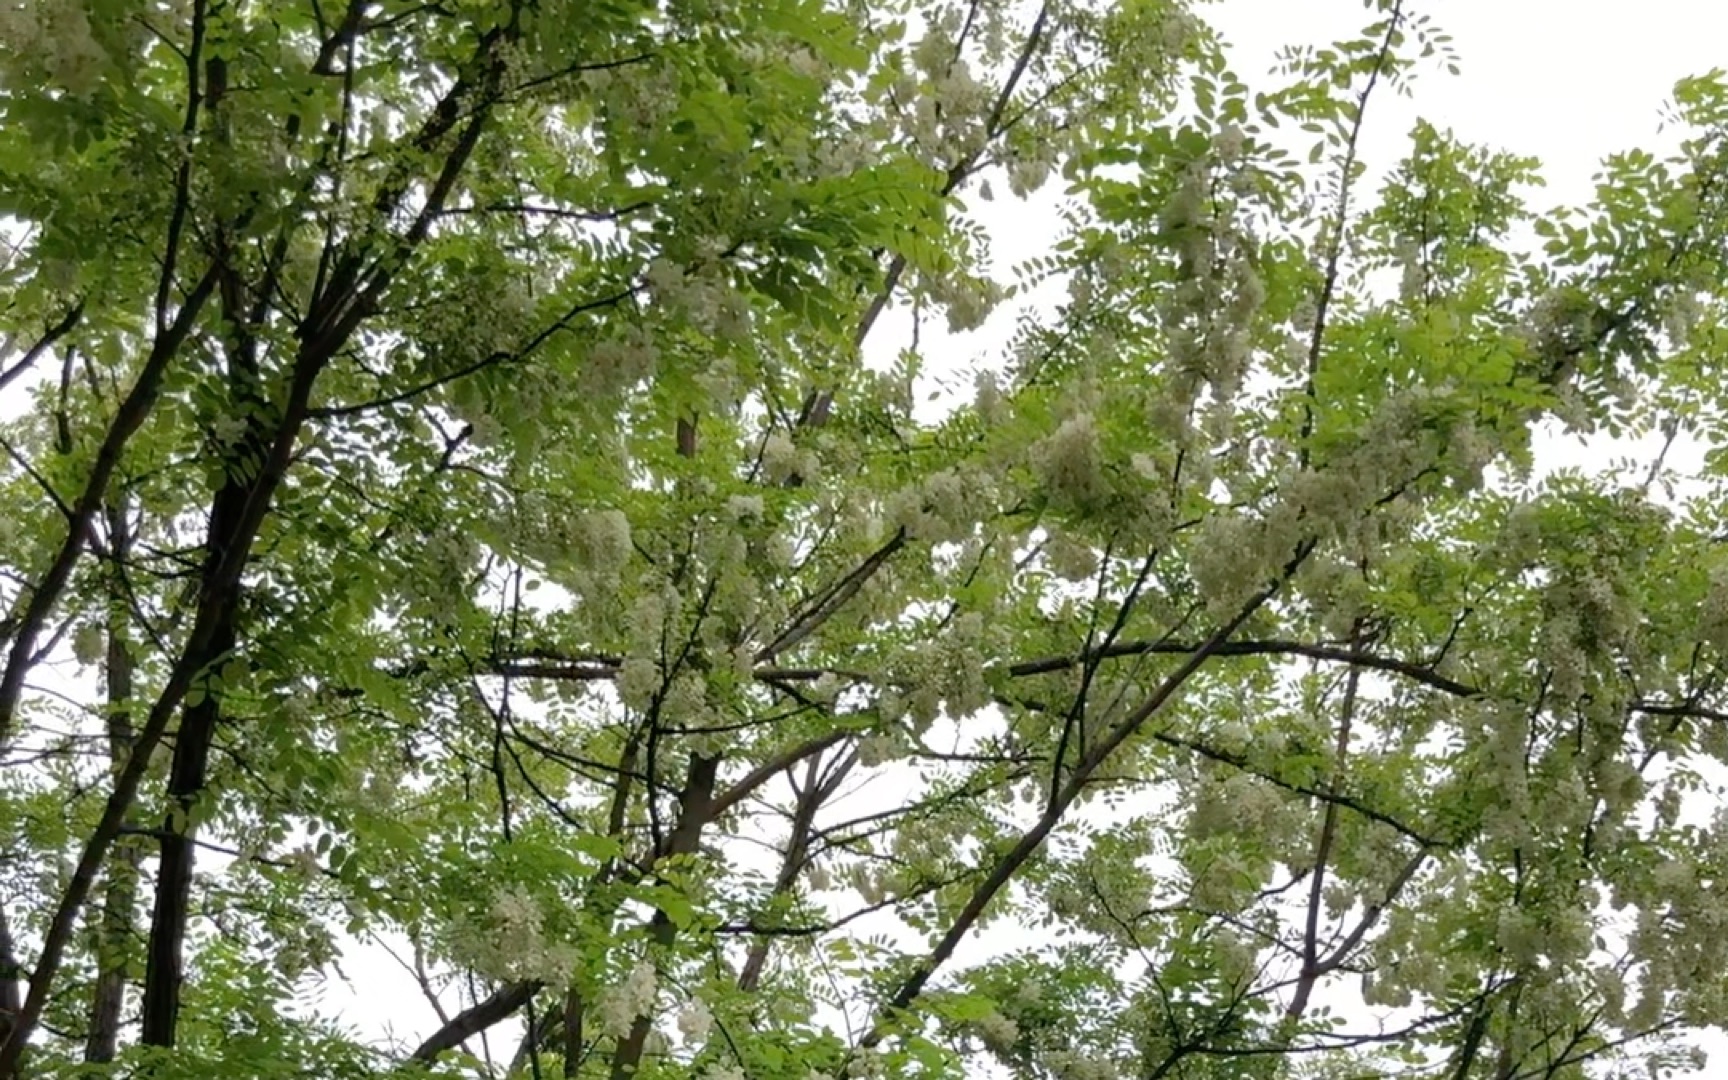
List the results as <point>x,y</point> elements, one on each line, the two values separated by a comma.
<point>115,925</point>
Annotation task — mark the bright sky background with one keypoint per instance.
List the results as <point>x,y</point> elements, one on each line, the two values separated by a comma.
<point>1555,79</point>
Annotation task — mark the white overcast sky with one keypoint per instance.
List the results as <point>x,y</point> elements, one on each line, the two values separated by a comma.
<point>1566,82</point>
<point>1559,80</point>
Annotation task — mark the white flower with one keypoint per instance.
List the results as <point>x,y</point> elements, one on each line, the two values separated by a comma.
<point>695,1022</point>
<point>638,681</point>
<point>58,34</point>
<point>779,457</point>
<point>604,537</point>
<point>826,688</point>
<point>969,304</point>
<point>744,507</point>
<point>1233,736</point>
<point>229,430</point>
<point>1027,174</point>
<point>1228,143</point>
<point>619,363</point>
<point>1067,462</point>
<point>622,1004</point>
<point>998,1032</point>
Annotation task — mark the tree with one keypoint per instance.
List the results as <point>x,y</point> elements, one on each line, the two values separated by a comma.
<point>448,507</point>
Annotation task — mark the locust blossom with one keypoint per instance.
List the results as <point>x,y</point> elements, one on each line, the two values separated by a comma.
<point>987,398</point>
<point>1029,170</point>
<point>638,681</point>
<point>1228,144</point>
<point>819,877</point>
<point>1069,462</point>
<point>878,749</point>
<point>998,1032</point>
<point>1226,562</point>
<point>967,299</point>
<point>944,507</point>
<point>695,1022</point>
<point>1074,1065</point>
<point>619,363</point>
<point>867,1064</point>
<point>780,458</point>
<point>601,542</point>
<point>620,1005</point>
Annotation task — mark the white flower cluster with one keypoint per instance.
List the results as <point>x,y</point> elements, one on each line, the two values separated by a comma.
<point>943,104</point>
<point>1412,262</point>
<point>998,1032</point>
<point>841,156</point>
<point>1588,614</point>
<point>945,507</point>
<point>1230,560</point>
<point>642,96</point>
<point>1713,612</point>
<point>879,748</point>
<point>620,1005</point>
<point>620,363</point>
<point>601,539</point>
<point>638,680</point>
<point>988,401</point>
<point>874,883</point>
<point>453,333</point>
<point>947,671</point>
<point>968,300</point>
<point>785,53</point>
<point>867,1064</point>
<point>1236,956</point>
<point>1243,805</point>
<point>1208,316</point>
<point>745,509</point>
<point>89,642</point>
<point>1229,143</point>
<point>1074,1065</point>
<point>1069,464</point>
<point>1681,316</point>
<point>695,1022</point>
<point>510,942</point>
<point>783,459</point>
<point>435,582</point>
<point>704,296</point>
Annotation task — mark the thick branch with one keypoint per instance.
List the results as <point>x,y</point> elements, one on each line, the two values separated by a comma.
<point>499,1006</point>
<point>54,333</point>
<point>127,420</point>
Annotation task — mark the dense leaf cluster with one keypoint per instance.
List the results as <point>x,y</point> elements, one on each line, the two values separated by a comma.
<point>456,506</point>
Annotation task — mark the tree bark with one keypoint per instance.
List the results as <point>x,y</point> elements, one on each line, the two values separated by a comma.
<point>115,926</point>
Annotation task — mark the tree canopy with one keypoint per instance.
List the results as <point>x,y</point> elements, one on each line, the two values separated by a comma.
<point>448,505</point>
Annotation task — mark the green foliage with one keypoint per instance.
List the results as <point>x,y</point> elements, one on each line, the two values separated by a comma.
<point>456,508</point>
